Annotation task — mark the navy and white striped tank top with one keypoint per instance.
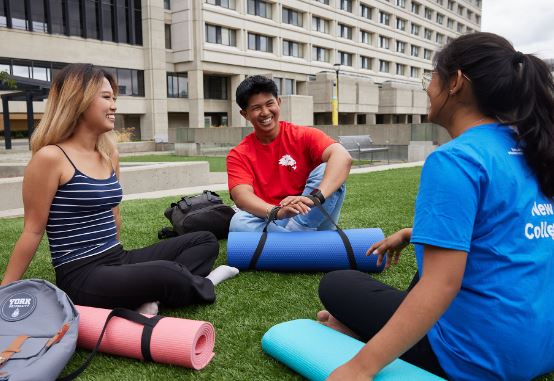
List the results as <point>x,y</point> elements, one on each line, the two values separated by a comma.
<point>81,223</point>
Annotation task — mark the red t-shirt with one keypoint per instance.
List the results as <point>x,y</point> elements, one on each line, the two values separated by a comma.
<point>280,168</point>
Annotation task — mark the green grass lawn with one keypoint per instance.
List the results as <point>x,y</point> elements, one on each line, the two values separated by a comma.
<point>248,305</point>
<point>217,163</point>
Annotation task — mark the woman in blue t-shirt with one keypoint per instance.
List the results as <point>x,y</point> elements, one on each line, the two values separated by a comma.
<point>481,306</point>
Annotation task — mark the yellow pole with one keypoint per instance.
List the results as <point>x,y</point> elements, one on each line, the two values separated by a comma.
<point>334,111</point>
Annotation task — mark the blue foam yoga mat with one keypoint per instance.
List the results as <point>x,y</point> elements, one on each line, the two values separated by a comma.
<point>315,351</point>
<point>304,251</point>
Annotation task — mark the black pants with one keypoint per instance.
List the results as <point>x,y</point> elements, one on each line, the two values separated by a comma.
<point>171,272</point>
<point>364,305</point>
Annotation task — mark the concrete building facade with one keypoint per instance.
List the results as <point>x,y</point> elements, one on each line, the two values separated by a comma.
<point>178,62</point>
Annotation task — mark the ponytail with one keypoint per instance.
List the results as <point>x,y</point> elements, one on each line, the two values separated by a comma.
<point>512,87</point>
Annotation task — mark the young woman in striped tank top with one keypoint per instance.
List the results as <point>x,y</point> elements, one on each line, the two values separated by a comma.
<point>71,191</point>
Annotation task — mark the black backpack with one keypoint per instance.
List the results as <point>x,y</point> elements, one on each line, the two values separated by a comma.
<point>203,212</point>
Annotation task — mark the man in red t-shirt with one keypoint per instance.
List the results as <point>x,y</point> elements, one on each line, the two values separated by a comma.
<point>273,168</point>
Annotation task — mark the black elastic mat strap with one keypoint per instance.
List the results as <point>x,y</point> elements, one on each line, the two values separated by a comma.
<point>342,234</point>
<point>261,243</point>
<point>148,323</point>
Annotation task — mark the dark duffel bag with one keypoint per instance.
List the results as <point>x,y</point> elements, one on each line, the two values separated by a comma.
<point>203,212</point>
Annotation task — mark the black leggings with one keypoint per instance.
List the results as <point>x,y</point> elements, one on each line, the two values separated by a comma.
<point>364,305</point>
<point>171,272</point>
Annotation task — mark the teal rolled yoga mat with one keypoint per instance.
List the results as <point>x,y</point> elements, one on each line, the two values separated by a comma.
<point>315,351</point>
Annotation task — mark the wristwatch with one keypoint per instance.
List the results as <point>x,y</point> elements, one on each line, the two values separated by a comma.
<point>317,194</point>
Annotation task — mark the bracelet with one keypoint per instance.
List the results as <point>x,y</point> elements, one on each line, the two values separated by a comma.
<point>272,212</point>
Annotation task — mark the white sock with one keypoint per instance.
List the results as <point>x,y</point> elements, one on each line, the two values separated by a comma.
<point>150,308</point>
<point>222,273</point>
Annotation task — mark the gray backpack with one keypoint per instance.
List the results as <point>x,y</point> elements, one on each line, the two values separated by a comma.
<point>38,330</point>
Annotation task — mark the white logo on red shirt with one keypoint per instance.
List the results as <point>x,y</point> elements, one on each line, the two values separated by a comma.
<point>288,161</point>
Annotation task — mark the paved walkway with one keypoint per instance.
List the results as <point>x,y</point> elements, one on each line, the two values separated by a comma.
<point>218,182</point>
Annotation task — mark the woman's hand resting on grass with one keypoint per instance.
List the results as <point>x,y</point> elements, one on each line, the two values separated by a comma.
<point>391,246</point>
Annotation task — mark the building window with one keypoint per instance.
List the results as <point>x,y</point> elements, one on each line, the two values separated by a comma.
<point>57,15</point>
<point>260,42</point>
<point>177,85</point>
<point>215,87</point>
<point>440,18</point>
<point>478,19</point>
<point>345,58</point>
<point>285,86</point>
<point>439,38</point>
<point>292,17</point>
<point>384,18</point>
<point>400,69</point>
<point>401,3</point>
<point>428,13</point>
<point>384,66</point>
<point>384,42</point>
<point>400,24</point>
<point>122,15</point>
<point>366,11</point>
<point>450,5</point>
<point>450,23</point>
<point>320,54</point>
<point>320,25</point>
<point>326,2</point>
<point>414,72</point>
<point>259,8</point>
<point>91,9</point>
<point>428,33</point>
<point>469,15</point>
<point>167,4</point>
<point>220,35</point>
<point>460,27</point>
<point>346,5</point>
<point>292,49</point>
<point>427,54</point>
<point>415,7</point>
<point>168,36</point>
<point>415,29</point>
<point>345,31</point>
<point>401,47</point>
<point>365,37</point>
<point>440,2</point>
<point>107,20</point>
<point>415,51</point>
<point>223,3</point>
<point>365,62</point>
<point>460,10</point>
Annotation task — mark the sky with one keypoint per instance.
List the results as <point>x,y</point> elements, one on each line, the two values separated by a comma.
<point>528,24</point>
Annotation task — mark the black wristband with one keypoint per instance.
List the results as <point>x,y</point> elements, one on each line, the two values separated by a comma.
<point>317,194</point>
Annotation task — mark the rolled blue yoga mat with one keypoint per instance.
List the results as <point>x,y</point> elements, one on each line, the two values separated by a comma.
<point>304,251</point>
<point>315,351</point>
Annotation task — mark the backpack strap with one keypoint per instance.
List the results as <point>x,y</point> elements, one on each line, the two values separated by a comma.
<point>148,323</point>
<point>14,347</point>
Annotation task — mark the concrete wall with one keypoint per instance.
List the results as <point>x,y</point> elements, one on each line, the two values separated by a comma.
<point>297,109</point>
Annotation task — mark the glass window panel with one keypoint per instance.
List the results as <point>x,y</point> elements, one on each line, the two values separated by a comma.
<point>75,18</point>
<point>58,19</point>
<point>38,16</point>
<point>91,9</point>
<point>183,86</point>
<point>41,73</point>
<point>138,25</point>
<point>122,22</point>
<point>19,19</point>
<point>4,67</point>
<point>289,86</point>
<point>107,19</point>
<point>3,20</point>
<point>21,71</point>
<point>124,82</point>
<point>168,36</point>
<point>277,81</point>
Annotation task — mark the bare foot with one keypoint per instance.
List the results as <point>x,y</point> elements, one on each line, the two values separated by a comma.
<point>325,318</point>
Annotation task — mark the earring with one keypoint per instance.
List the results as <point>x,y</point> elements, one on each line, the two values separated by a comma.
<point>450,91</point>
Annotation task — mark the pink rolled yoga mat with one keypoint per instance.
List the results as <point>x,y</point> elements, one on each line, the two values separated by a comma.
<point>187,343</point>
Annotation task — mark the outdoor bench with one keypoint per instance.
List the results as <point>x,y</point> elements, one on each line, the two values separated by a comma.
<point>362,144</point>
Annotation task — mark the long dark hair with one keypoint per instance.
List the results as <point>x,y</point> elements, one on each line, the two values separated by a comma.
<point>513,87</point>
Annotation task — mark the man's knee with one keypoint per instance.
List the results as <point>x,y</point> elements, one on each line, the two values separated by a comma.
<point>242,222</point>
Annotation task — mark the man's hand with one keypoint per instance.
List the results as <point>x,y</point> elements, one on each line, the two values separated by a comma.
<point>294,205</point>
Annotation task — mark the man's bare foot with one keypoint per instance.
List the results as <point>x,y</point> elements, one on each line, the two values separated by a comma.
<point>325,318</point>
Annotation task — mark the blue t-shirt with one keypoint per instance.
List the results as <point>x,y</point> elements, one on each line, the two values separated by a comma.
<point>478,195</point>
